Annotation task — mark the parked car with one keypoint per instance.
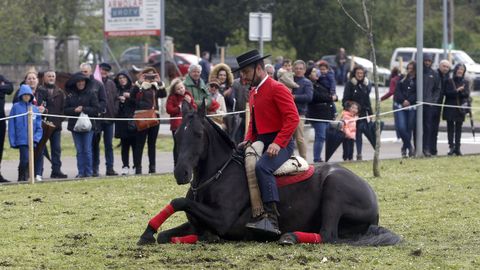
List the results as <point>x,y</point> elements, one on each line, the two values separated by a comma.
<point>457,56</point>
<point>135,55</point>
<point>383,73</point>
<point>182,60</point>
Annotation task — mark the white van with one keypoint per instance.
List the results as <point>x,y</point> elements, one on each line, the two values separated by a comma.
<point>457,56</point>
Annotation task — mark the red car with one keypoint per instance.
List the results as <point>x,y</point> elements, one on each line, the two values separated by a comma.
<point>182,60</point>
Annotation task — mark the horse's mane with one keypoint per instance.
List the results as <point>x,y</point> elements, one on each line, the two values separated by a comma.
<point>222,133</point>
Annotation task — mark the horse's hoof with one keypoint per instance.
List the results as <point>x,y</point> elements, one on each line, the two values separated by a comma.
<point>288,239</point>
<point>209,237</point>
<point>163,239</point>
<point>146,240</point>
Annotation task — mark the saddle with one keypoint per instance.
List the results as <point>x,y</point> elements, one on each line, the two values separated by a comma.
<point>294,166</point>
<point>294,170</point>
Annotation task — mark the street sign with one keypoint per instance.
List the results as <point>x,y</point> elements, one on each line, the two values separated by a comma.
<point>260,26</point>
<point>131,18</point>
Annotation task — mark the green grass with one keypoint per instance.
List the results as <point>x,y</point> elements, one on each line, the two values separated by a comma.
<point>164,144</point>
<point>94,224</point>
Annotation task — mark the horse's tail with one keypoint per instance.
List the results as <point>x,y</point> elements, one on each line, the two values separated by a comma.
<point>375,236</point>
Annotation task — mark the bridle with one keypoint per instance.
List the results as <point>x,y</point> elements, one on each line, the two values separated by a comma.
<point>234,156</point>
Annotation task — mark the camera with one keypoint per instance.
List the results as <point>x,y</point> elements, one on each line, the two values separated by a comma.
<point>150,76</point>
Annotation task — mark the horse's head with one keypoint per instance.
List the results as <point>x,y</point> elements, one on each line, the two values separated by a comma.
<point>190,143</point>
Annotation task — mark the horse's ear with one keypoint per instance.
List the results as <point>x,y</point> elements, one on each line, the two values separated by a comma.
<point>186,108</point>
<point>202,111</point>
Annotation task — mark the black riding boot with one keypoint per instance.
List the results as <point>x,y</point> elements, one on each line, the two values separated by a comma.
<point>267,223</point>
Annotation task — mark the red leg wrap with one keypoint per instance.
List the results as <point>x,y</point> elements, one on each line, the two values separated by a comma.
<point>187,239</point>
<point>158,220</point>
<point>310,238</point>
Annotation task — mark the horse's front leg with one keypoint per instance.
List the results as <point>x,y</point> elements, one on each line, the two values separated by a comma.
<point>168,236</point>
<point>212,218</point>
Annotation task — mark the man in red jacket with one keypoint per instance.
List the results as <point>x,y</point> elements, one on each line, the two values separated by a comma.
<point>274,118</point>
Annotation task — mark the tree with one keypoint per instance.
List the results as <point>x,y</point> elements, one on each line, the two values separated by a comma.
<point>368,30</point>
<point>314,27</point>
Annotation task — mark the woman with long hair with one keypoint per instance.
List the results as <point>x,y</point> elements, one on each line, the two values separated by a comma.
<point>358,89</point>
<point>457,92</point>
<point>125,130</point>
<point>405,96</point>
<point>145,94</point>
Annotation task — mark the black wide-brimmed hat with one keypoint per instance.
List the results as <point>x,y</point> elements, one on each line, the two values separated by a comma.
<point>249,58</point>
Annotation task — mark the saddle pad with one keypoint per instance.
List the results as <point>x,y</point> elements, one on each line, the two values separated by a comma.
<point>292,179</point>
<point>293,165</point>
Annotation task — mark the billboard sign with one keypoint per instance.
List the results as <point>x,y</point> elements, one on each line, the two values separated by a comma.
<point>125,18</point>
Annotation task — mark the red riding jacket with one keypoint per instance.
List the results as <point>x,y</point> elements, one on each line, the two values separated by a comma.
<point>274,111</point>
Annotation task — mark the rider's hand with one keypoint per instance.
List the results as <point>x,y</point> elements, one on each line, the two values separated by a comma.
<point>273,150</point>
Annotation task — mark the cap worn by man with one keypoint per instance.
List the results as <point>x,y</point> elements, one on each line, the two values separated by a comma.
<point>105,66</point>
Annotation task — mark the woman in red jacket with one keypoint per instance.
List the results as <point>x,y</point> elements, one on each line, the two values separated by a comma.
<point>174,106</point>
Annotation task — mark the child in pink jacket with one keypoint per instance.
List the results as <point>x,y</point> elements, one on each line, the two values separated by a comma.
<point>349,118</point>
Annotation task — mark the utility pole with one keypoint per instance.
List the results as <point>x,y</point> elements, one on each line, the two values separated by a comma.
<point>445,31</point>
<point>419,146</point>
<point>162,39</point>
<point>451,24</point>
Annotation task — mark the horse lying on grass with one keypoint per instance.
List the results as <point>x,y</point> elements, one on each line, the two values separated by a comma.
<point>333,206</point>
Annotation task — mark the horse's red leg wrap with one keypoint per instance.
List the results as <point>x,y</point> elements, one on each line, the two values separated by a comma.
<point>187,239</point>
<point>158,220</point>
<point>310,238</point>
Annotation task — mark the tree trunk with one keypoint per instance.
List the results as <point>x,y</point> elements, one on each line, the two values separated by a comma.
<point>368,30</point>
<point>376,159</point>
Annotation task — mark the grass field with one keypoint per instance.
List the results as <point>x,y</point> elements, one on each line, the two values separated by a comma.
<point>94,224</point>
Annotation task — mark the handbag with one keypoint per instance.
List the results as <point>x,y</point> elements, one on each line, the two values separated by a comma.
<point>83,123</point>
<point>144,123</point>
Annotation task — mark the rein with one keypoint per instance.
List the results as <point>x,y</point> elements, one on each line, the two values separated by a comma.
<point>233,157</point>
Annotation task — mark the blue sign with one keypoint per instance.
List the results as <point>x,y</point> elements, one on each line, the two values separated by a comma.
<point>125,12</point>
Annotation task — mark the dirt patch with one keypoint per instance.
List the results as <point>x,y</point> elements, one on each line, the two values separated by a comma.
<point>416,252</point>
<point>39,200</point>
<point>78,236</point>
<point>6,264</point>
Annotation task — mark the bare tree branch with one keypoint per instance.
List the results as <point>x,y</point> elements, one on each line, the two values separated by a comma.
<point>350,16</point>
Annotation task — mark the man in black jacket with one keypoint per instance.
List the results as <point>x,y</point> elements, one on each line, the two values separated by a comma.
<point>443,76</point>
<point>6,88</point>
<point>431,94</point>
<point>109,110</point>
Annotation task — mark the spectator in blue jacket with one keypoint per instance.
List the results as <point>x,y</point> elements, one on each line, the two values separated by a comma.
<point>18,126</point>
<point>302,96</point>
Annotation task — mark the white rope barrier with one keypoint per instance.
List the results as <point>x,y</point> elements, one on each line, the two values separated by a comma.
<point>13,116</point>
<point>240,112</point>
<point>129,119</point>
<point>452,106</point>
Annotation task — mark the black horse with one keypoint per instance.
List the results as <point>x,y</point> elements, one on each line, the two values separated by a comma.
<point>334,202</point>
